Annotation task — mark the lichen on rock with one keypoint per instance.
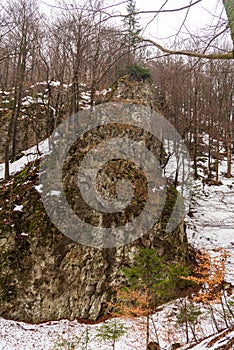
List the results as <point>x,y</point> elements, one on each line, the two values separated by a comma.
<point>47,276</point>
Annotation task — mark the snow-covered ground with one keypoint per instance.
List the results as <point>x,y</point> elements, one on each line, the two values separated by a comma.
<point>31,154</point>
<point>213,343</point>
<point>50,335</point>
<point>56,335</point>
<point>212,223</point>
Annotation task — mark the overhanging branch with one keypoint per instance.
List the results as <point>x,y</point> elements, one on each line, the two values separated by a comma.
<point>228,55</point>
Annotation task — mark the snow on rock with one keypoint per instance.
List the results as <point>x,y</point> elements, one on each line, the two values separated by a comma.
<point>31,154</point>
<point>23,234</point>
<point>38,188</point>
<point>18,208</point>
<point>55,193</point>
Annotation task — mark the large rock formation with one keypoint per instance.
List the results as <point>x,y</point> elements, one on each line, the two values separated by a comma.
<point>47,276</point>
<point>44,106</point>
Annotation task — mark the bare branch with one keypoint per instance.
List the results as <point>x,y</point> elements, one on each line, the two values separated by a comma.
<point>228,55</point>
<point>72,8</point>
<point>2,59</point>
<point>229,8</point>
<point>215,37</point>
<point>165,11</point>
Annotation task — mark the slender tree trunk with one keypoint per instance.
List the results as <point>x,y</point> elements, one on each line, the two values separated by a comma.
<point>213,317</point>
<point>75,94</point>
<point>6,74</point>
<point>15,122</point>
<point>7,148</point>
<point>193,332</point>
<point>229,136</point>
<point>155,330</point>
<point>8,143</point>
<point>229,152</point>
<point>224,313</point>
<point>147,330</point>
<point>21,67</point>
<point>229,8</point>
<point>186,322</point>
<point>227,304</point>
<point>210,145</point>
<point>195,136</point>
<point>217,161</point>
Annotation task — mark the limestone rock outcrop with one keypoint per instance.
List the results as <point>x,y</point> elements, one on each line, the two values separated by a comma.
<point>47,276</point>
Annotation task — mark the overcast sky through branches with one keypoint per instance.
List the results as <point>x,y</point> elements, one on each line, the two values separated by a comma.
<point>204,20</point>
<point>204,13</point>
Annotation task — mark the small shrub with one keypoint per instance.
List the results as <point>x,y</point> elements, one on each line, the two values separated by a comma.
<point>135,72</point>
<point>138,73</point>
<point>67,344</point>
<point>112,331</point>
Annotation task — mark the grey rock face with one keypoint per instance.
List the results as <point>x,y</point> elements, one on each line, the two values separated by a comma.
<point>47,276</point>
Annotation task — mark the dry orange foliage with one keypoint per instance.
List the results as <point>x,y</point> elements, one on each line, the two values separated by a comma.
<point>210,275</point>
<point>132,303</point>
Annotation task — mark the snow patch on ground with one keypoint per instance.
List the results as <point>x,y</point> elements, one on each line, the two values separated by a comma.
<point>30,155</point>
<point>212,223</point>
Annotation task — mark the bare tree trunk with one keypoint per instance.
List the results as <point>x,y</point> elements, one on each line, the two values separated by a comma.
<point>224,313</point>
<point>155,330</point>
<point>195,135</point>
<point>19,88</point>
<point>229,7</point>
<point>217,160</point>
<point>229,152</point>
<point>7,148</point>
<point>186,320</point>
<point>229,136</point>
<point>213,317</point>
<point>147,330</point>
<point>227,304</point>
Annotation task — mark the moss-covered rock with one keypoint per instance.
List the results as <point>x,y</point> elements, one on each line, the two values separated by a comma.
<point>47,276</point>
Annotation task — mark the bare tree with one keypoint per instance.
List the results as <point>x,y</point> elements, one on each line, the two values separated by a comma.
<point>24,16</point>
<point>207,50</point>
